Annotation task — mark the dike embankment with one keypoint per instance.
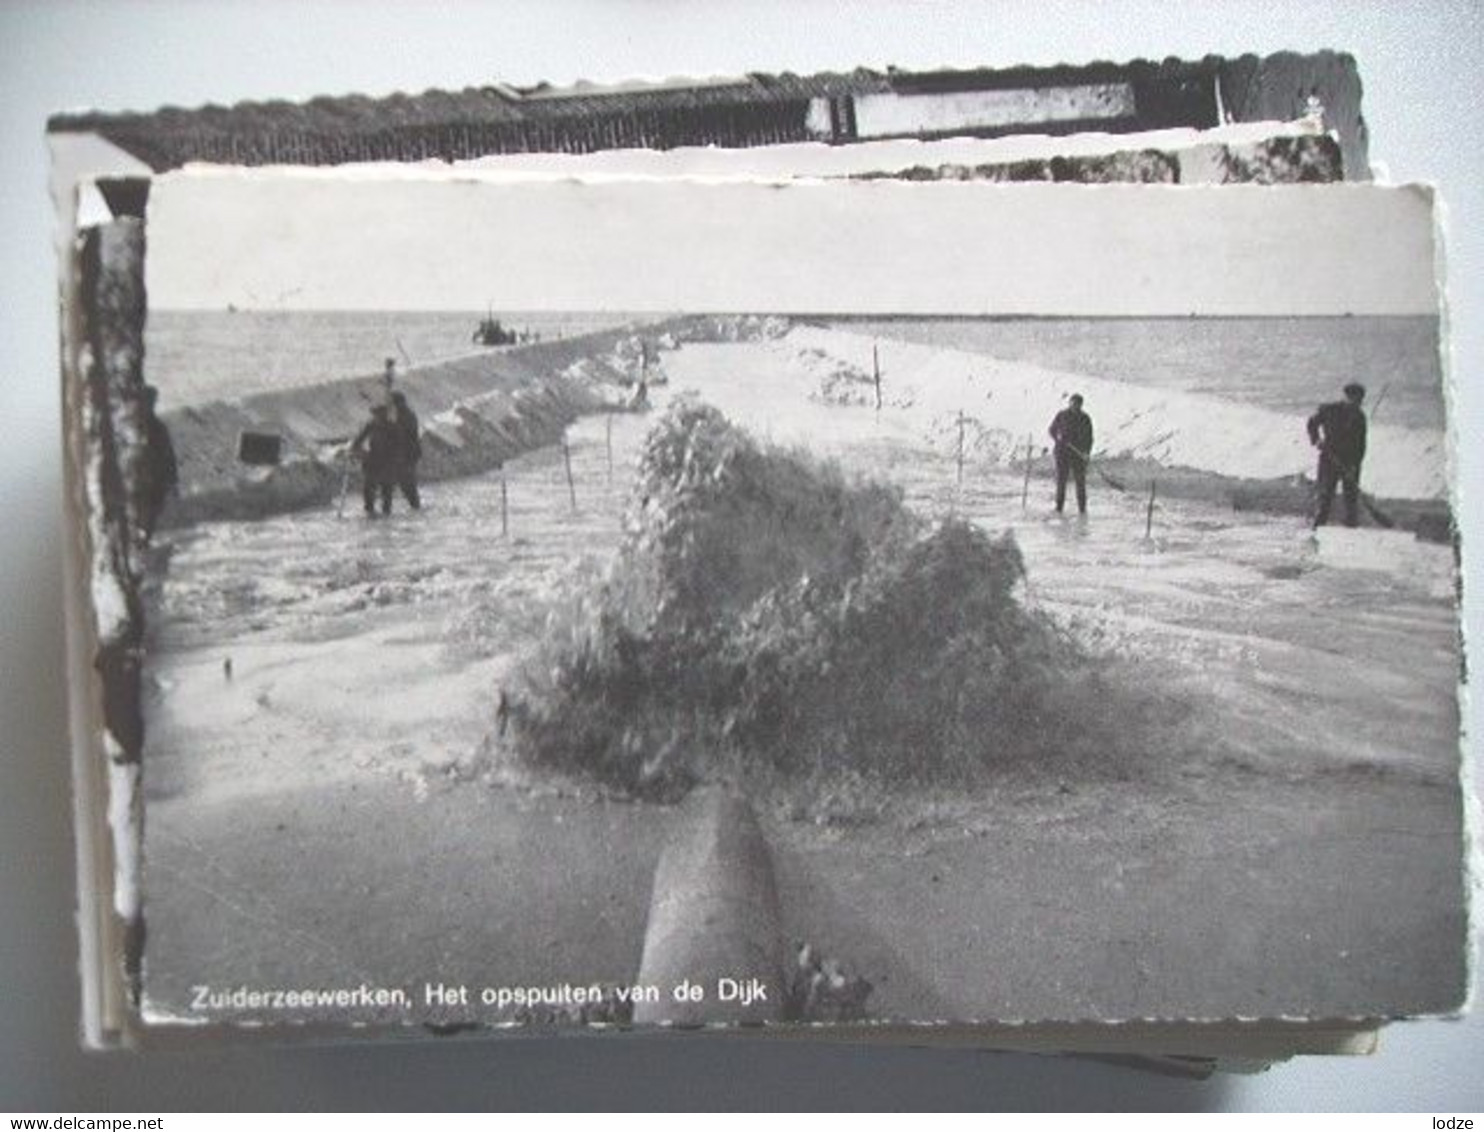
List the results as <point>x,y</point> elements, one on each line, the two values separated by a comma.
<point>477,411</point>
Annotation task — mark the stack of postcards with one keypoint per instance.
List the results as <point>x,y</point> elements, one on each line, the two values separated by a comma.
<point>955,557</point>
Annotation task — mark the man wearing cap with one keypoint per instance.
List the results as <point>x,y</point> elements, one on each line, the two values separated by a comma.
<point>1338,430</point>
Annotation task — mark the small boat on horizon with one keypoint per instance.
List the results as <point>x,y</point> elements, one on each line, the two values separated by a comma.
<point>492,332</point>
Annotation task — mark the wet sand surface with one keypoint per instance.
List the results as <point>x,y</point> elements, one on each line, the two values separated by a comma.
<point>326,813</point>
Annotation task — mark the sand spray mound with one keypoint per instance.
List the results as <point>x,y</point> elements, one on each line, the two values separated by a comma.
<point>768,615</point>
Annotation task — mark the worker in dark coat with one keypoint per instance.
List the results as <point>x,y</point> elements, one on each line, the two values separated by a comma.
<point>410,450</point>
<point>1071,434</point>
<point>1338,430</point>
<point>161,472</point>
<point>379,446</point>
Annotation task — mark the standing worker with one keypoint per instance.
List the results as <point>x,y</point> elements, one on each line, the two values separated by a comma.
<point>1071,432</point>
<point>409,450</point>
<point>379,445</point>
<point>1338,430</point>
<point>161,478</point>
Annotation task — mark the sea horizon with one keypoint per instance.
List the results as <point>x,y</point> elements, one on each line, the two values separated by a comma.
<point>1290,364</point>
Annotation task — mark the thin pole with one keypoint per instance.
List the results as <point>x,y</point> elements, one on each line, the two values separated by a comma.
<point>344,486</point>
<point>1149,513</point>
<point>1376,404</point>
<point>608,443</point>
<point>504,505</point>
<point>567,460</point>
<point>960,447</point>
<point>876,369</point>
<point>1025,490</point>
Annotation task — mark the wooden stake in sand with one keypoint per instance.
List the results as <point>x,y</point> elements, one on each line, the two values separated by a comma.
<point>1149,512</point>
<point>504,505</point>
<point>1030,453</point>
<point>344,484</point>
<point>876,369</point>
<point>960,447</point>
<point>608,443</point>
<point>567,461</point>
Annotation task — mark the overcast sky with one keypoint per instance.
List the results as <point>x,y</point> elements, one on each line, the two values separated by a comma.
<point>264,239</point>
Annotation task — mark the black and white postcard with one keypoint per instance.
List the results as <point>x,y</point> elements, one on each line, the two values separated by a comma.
<point>642,602</point>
